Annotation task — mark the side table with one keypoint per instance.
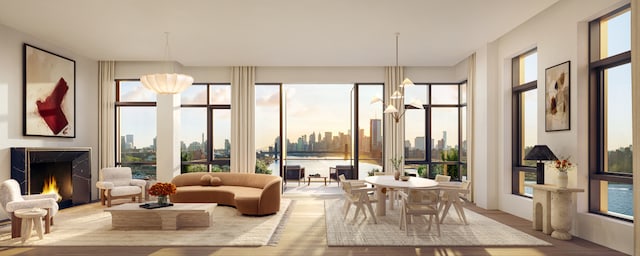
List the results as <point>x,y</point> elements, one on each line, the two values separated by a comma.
<point>552,209</point>
<point>30,217</point>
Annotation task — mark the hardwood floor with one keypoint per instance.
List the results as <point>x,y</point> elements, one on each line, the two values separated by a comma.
<point>305,235</point>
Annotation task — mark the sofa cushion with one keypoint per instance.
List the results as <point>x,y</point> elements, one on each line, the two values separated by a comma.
<point>205,180</point>
<point>215,181</point>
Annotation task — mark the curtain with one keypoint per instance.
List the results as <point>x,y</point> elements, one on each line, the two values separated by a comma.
<point>243,149</point>
<point>106,119</point>
<point>635,103</point>
<point>471,80</point>
<point>393,132</point>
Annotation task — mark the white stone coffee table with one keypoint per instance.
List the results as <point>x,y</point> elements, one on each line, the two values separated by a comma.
<point>131,216</point>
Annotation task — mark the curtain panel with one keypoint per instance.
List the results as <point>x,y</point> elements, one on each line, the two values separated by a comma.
<point>393,132</point>
<point>243,149</point>
<point>106,119</point>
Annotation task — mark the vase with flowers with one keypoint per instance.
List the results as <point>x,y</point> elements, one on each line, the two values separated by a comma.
<point>162,190</point>
<point>563,165</point>
<point>396,162</point>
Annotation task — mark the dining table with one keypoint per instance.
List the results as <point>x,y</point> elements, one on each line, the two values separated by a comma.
<point>388,181</point>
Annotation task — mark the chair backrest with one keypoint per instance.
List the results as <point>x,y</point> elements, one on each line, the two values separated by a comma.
<point>423,196</point>
<point>442,178</point>
<point>292,167</point>
<point>466,186</point>
<point>9,192</point>
<point>381,174</point>
<point>120,176</point>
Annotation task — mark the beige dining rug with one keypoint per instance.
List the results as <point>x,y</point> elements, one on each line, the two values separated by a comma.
<point>481,231</point>
<point>89,225</point>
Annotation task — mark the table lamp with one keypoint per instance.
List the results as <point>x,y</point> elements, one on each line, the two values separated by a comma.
<point>540,153</point>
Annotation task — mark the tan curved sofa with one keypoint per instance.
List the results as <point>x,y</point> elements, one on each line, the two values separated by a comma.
<point>251,194</point>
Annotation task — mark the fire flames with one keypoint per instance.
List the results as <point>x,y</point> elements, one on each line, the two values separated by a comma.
<point>51,187</point>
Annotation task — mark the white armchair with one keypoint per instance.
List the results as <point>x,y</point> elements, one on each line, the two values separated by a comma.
<point>117,182</point>
<point>11,200</point>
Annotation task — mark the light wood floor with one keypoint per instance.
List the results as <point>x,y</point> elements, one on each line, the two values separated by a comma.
<point>304,234</point>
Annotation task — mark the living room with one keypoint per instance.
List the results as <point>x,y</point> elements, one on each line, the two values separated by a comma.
<point>557,30</point>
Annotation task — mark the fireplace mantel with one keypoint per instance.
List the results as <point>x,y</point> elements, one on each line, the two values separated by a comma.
<point>79,157</point>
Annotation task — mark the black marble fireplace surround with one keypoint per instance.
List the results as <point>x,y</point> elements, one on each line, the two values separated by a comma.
<point>71,168</point>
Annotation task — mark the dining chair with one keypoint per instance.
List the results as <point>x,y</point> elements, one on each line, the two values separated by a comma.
<point>357,194</point>
<point>442,178</point>
<point>425,204</point>
<point>454,196</point>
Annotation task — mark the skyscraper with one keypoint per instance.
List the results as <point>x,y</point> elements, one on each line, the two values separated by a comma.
<point>376,135</point>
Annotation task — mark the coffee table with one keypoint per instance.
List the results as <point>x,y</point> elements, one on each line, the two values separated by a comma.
<point>131,216</point>
<point>316,177</point>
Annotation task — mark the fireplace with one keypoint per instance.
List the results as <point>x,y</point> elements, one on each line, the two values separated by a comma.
<point>65,171</point>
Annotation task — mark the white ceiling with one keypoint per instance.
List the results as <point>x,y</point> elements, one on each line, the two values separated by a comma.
<point>271,32</point>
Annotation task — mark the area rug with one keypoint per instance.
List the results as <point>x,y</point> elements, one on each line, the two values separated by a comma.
<point>481,231</point>
<point>89,225</point>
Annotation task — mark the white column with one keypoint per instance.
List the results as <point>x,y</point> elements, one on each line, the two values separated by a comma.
<point>485,131</point>
<point>168,137</point>
<point>635,87</point>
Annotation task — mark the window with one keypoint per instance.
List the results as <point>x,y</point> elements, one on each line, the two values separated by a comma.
<point>435,137</point>
<point>316,123</point>
<point>610,131</point>
<point>525,120</point>
<point>136,128</point>
<point>205,128</point>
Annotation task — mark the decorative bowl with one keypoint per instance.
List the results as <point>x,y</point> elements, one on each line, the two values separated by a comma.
<point>404,178</point>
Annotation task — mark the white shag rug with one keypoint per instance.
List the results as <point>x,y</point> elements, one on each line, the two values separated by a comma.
<point>89,225</point>
<point>481,231</point>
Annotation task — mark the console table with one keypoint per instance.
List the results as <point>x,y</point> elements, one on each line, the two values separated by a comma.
<point>552,209</point>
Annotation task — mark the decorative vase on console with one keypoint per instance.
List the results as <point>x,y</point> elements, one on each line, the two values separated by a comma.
<point>563,166</point>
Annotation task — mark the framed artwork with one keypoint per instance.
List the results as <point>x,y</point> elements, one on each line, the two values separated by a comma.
<point>557,97</point>
<point>49,93</point>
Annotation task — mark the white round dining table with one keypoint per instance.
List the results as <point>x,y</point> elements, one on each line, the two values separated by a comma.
<point>387,181</point>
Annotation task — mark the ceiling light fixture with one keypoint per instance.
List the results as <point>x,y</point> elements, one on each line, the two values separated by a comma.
<point>166,83</point>
<point>398,96</point>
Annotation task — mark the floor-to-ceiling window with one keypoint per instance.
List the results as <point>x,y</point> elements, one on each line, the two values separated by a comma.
<point>205,117</point>
<point>525,120</point>
<point>136,128</point>
<point>316,122</point>
<point>435,137</point>
<point>610,129</point>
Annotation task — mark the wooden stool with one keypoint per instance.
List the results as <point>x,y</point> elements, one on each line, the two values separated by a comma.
<point>30,217</point>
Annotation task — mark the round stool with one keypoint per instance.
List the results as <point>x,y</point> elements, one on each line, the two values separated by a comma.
<point>30,217</point>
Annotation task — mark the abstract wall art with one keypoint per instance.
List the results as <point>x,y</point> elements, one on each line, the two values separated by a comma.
<point>49,93</point>
<point>557,97</point>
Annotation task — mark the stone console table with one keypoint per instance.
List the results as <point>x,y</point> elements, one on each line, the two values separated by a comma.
<point>552,209</point>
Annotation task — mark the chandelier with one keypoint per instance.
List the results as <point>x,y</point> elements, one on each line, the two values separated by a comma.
<point>397,97</point>
<point>166,83</point>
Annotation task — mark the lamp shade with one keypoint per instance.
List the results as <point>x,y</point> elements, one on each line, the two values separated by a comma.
<point>407,82</point>
<point>166,83</point>
<point>396,95</point>
<point>540,152</point>
<point>390,109</point>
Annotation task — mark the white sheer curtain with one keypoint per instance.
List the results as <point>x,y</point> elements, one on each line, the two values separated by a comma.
<point>106,120</point>
<point>471,80</point>
<point>635,103</point>
<point>243,149</point>
<point>393,132</point>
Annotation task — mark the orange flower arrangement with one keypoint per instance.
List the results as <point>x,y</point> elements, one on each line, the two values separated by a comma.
<point>563,165</point>
<point>162,189</point>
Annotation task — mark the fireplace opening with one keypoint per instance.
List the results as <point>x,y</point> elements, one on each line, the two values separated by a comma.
<point>53,177</point>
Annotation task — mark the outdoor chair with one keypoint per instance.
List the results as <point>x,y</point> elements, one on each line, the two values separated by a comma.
<point>293,172</point>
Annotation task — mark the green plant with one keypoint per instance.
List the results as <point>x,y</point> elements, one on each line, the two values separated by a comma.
<point>373,171</point>
<point>262,166</point>
<point>396,163</point>
<point>422,171</point>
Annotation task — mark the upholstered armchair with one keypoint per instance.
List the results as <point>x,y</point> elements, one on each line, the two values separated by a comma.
<point>117,182</point>
<point>11,200</point>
